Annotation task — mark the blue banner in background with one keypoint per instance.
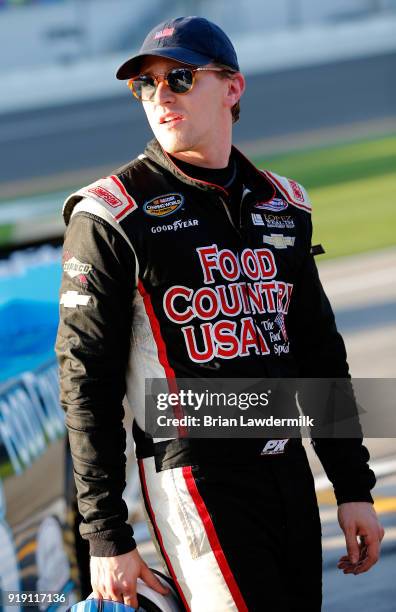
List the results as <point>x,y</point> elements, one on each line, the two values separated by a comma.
<point>30,415</point>
<point>29,287</point>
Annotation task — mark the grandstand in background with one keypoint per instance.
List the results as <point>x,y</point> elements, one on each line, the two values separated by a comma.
<point>42,32</point>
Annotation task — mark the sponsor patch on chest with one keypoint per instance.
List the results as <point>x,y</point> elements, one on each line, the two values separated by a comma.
<point>175,226</point>
<point>282,222</point>
<point>163,205</point>
<point>275,447</point>
<point>279,241</point>
<point>276,205</point>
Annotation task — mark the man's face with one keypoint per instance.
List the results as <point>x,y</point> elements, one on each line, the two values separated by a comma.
<point>190,122</point>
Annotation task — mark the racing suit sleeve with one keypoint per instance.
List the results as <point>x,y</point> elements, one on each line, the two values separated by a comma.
<point>92,347</point>
<point>321,353</point>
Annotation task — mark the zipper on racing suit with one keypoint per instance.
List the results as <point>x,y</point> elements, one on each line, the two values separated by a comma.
<point>241,236</point>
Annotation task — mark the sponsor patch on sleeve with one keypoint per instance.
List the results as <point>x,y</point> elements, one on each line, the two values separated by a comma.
<point>75,268</point>
<point>72,299</point>
<point>110,193</point>
<point>293,192</point>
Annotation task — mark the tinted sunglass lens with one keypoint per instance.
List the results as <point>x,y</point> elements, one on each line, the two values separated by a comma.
<point>144,87</point>
<point>180,80</point>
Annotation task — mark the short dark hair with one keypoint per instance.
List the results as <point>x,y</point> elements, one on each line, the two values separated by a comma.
<point>227,73</point>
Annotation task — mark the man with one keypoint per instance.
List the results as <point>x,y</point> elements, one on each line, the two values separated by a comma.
<point>161,260</point>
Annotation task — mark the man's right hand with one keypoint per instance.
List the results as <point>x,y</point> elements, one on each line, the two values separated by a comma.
<point>115,578</point>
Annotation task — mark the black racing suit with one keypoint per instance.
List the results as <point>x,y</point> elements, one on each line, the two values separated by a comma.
<point>161,281</point>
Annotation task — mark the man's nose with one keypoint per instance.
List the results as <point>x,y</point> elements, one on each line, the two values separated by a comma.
<point>163,93</point>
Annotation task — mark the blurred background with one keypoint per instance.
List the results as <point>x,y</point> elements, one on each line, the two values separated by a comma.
<point>320,107</point>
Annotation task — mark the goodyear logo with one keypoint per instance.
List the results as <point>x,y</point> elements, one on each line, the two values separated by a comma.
<point>164,205</point>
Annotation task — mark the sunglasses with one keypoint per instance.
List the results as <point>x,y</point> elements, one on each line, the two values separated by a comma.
<point>179,80</point>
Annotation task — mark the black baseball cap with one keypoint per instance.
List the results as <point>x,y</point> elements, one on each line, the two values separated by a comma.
<point>191,40</point>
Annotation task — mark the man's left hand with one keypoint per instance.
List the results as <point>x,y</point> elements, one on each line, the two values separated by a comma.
<point>359,520</point>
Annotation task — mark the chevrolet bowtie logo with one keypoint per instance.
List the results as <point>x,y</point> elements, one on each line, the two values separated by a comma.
<point>71,299</point>
<point>279,241</point>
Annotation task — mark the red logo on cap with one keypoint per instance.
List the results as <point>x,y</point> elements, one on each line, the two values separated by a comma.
<point>164,33</point>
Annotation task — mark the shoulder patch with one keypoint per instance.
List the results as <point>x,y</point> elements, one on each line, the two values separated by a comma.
<point>294,193</point>
<point>107,191</point>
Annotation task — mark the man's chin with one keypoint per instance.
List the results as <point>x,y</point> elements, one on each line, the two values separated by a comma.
<point>171,145</point>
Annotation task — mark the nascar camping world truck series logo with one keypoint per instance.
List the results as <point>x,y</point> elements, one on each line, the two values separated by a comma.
<point>163,205</point>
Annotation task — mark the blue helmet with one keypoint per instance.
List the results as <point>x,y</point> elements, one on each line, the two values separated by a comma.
<point>100,605</point>
<point>149,600</point>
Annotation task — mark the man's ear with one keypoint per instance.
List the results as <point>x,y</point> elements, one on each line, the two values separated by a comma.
<point>236,87</point>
